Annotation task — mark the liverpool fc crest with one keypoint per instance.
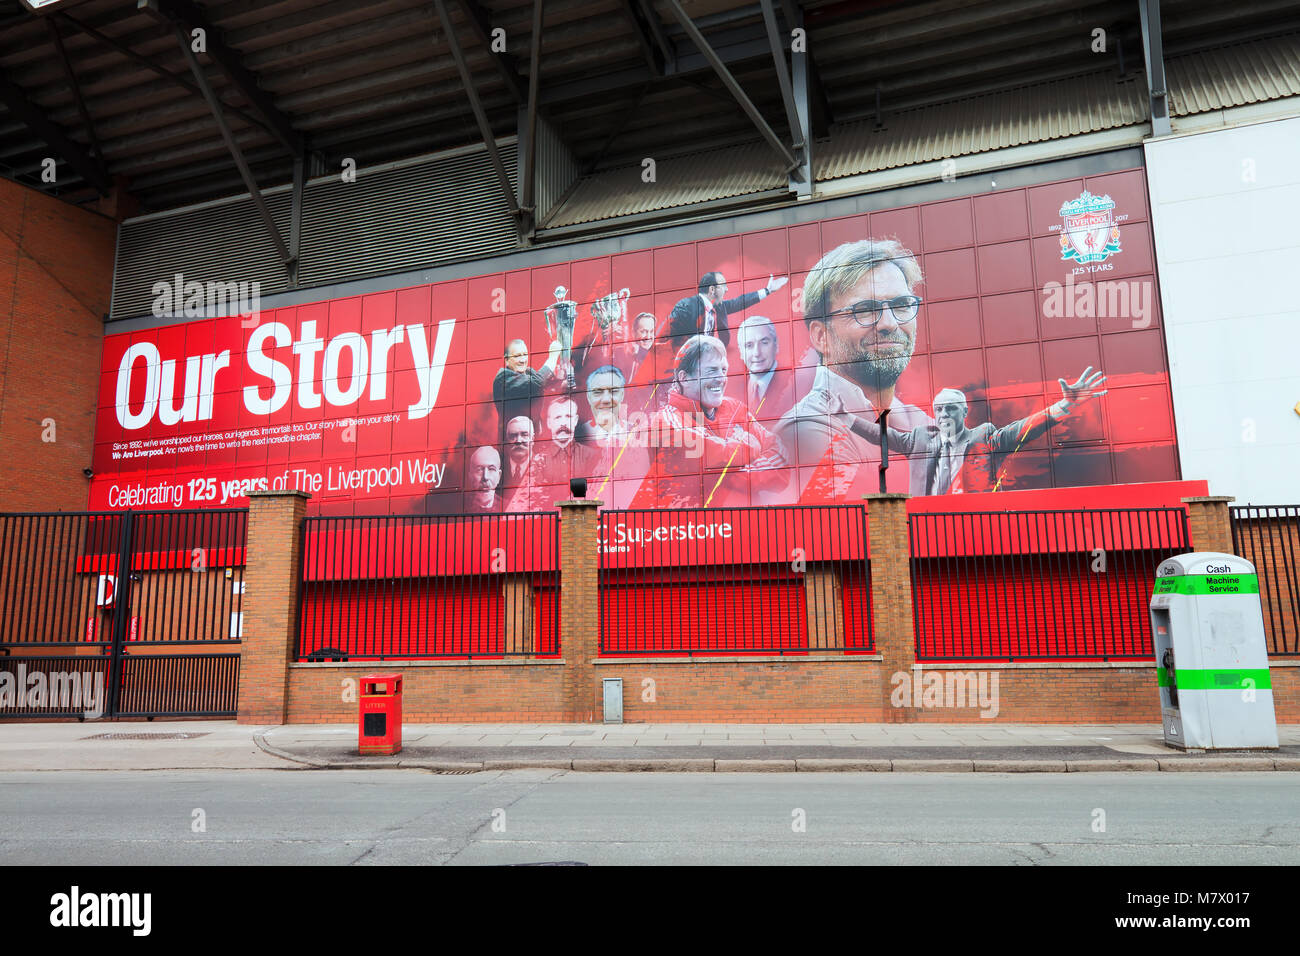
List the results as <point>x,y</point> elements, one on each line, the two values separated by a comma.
<point>1088,229</point>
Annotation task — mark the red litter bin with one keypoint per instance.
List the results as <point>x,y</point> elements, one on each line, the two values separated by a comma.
<point>381,714</point>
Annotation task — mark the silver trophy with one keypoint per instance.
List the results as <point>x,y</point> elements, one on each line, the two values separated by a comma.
<point>611,311</point>
<point>560,320</point>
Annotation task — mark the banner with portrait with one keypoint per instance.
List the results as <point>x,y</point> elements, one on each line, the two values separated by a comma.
<point>1013,338</point>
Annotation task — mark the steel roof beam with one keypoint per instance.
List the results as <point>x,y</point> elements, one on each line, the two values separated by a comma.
<point>742,44</point>
<point>254,192</point>
<point>151,65</point>
<point>787,91</point>
<point>57,39</point>
<point>808,82</point>
<point>654,60</point>
<point>505,63</point>
<point>485,130</point>
<point>90,169</point>
<point>529,139</point>
<point>659,56</point>
<point>185,16</point>
<point>730,83</point>
<point>1152,49</point>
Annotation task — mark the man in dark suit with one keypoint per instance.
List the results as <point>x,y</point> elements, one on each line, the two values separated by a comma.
<point>767,390</point>
<point>949,457</point>
<point>706,313</point>
<point>516,386</point>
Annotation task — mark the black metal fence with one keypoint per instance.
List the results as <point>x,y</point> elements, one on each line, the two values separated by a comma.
<point>1268,536</point>
<point>50,685</point>
<point>779,580</point>
<point>176,684</point>
<point>1039,584</point>
<point>396,587</point>
<point>83,594</point>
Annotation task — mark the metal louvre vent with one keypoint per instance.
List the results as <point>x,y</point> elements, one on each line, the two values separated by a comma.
<point>212,243</point>
<point>424,214</point>
<point>410,218</point>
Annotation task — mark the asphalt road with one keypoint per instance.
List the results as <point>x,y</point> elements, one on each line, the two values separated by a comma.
<point>535,816</point>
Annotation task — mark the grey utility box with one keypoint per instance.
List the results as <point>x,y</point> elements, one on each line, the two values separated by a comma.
<point>613,700</point>
<point>1211,655</point>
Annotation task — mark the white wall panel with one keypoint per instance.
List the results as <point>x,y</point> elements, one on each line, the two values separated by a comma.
<point>1225,207</point>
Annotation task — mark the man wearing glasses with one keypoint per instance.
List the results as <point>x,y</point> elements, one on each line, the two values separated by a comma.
<point>861,311</point>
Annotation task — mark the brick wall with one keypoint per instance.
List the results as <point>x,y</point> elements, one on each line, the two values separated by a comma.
<point>1286,690</point>
<point>835,689</point>
<point>730,691</point>
<point>450,692</point>
<point>56,277</point>
<point>1084,693</point>
<point>830,686</point>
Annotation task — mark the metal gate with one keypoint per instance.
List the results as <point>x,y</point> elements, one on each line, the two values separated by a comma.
<point>1269,537</point>
<point>121,614</point>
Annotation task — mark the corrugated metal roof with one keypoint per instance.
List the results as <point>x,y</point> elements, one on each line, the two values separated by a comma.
<point>679,181</point>
<point>1216,79</point>
<point>1234,75</point>
<point>1033,114</point>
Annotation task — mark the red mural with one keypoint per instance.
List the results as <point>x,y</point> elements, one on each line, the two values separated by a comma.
<point>1014,339</point>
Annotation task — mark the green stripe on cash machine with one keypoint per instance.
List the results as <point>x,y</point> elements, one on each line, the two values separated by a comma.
<point>1208,584</point>
<point>1211,679</point>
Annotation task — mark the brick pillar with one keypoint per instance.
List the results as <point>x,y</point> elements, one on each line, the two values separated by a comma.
<point>579,608</point>
<point>1207,522</point>
<point>825,611</point>
<point>891,594</point>
<point>270,603</point>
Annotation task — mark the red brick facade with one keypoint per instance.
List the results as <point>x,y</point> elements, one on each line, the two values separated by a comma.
<point>1207,523</point>
<point>270,604</point>
<point>824,686</point>
<point>443,692</point>
<point>579,609</point>
<point>56,278</point>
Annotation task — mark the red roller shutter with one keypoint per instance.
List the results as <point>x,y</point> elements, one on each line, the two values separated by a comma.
<point>1034,606</point>
<point>684,610</point>
<point>409,618</point>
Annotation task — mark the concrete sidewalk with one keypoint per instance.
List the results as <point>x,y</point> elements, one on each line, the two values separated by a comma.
<point>454,748</point>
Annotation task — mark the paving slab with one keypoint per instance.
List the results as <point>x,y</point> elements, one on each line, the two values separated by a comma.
<point>452,748</point>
